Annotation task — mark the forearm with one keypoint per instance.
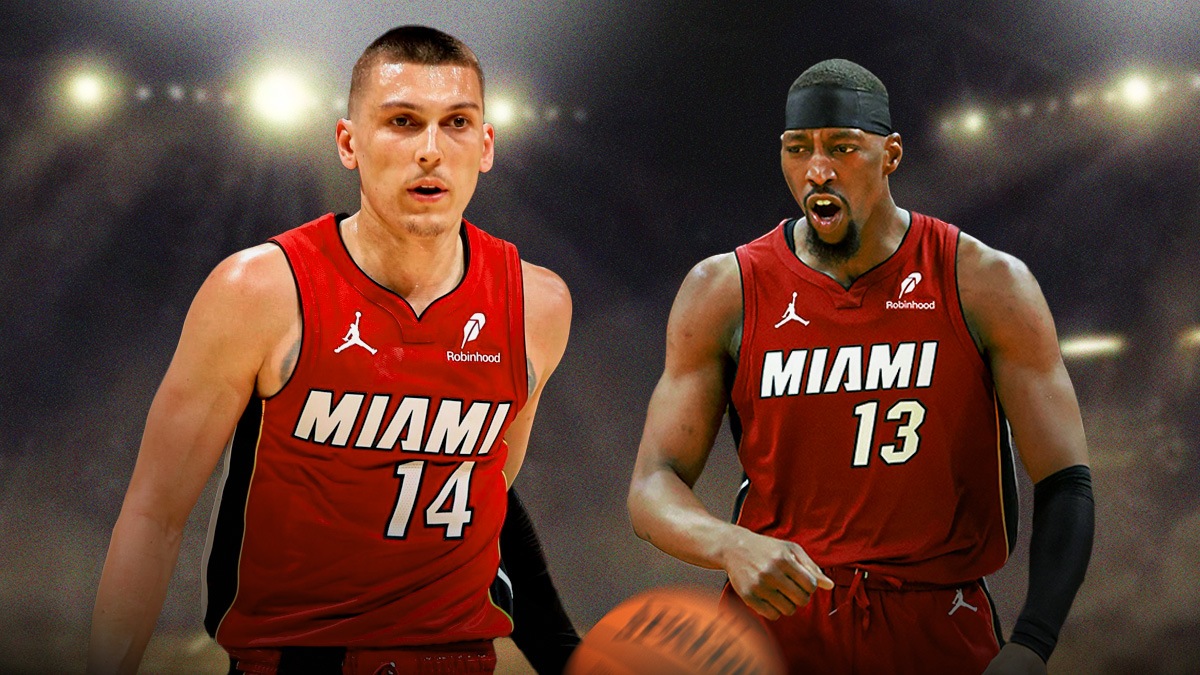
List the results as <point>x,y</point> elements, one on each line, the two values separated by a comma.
<point>137,571</point>
<point>667,513</point>
<point>1060,548</point>
<point>541,628</point>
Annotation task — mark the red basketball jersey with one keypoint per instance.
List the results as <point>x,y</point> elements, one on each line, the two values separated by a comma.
<point>868,425</point>
<point>362,504</point>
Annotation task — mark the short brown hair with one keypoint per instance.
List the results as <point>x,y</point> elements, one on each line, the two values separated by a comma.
<point>412,44</point>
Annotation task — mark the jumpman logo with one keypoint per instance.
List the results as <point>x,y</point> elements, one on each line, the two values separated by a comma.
<point>959,603</point>
<point>790,314</point>
<point>352,338</point>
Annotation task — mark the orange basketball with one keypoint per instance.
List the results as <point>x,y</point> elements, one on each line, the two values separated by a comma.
<point>676,631</point>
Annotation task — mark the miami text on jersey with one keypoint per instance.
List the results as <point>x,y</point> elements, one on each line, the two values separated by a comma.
<point>452,431</point>
<point>783,375</point>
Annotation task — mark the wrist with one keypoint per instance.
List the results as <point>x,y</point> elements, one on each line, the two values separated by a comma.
<point>730,542</point>
<point>1036,639</point>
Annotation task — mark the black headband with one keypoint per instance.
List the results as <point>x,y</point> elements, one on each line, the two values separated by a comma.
<point>821,106</point>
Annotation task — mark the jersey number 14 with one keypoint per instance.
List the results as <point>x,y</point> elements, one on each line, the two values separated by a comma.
<point>448,509</point>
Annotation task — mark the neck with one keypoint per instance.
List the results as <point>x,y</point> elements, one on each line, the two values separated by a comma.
<point>419,266</point>
<point>880,234</point>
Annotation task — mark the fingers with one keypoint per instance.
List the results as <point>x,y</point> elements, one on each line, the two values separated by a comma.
<point>812,571</point>
<point>777,577</point>
<point>770,604</point>
<point>784,585</point>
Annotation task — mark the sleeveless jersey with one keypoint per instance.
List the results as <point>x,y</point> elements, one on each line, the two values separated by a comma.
<point>362,504</point>
<point>867,422</point>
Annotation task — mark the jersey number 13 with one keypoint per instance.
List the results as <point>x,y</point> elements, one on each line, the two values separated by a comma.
<point>909,412</point>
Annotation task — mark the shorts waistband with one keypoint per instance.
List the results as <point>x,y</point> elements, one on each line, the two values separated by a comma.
<point>478,656</point>
<point>878,581</point>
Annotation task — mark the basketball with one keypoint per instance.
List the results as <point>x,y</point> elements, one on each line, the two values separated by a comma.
<point>676,631</point>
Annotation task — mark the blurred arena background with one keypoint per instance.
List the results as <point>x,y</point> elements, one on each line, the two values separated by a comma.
<point>143,142</point>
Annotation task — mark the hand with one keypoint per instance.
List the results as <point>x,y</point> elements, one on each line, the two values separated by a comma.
<point>772,576</point>
<point>1015,658</point>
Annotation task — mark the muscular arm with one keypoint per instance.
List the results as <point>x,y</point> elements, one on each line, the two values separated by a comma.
<point>547,327</point>
<point>684,415</point>
<point>1012,324</point>
<point>232,331</point>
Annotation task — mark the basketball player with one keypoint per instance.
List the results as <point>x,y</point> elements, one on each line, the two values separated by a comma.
<point>378,375</point>
<point>873,360</point>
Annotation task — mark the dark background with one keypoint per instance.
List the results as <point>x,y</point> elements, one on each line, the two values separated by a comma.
<point>646,138</point>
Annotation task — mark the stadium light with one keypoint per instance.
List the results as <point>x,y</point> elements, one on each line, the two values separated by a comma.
<point>501,113</point>
<point>281,98</point>
<point>973,122</point>
<point>87,90</point>
<point>1091,346</point>
<point>1190,339</point>
<point>1136,92</point>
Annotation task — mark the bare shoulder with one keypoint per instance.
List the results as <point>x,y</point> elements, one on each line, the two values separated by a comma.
<point>547,298</point>
<point>255,284</point>
<point>1000,296</point>
<point>245,315</point>
<point>715,278</point>
<point>709,299</point>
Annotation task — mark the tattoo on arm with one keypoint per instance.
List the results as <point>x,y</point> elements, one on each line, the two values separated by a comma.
<point>532,376</point>
<point>289,362</point>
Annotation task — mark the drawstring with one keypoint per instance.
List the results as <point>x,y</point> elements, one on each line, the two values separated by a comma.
<point>857,592</point>
<point>858,595</point>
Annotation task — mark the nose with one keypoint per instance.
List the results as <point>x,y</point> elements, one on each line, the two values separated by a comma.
<point>820,169</point>
<point>429,153</point>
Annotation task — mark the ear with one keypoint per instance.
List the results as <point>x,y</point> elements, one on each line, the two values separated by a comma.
<point>893,150</point>
<point>344,137</point>
<point>489,147</point>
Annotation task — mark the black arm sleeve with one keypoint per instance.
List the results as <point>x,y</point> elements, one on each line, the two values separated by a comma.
<point>1061,545</point>
<point>541,628</point>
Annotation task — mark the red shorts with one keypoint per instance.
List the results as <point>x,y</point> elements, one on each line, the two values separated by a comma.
<point>869,624</point>
<point>448,659</point>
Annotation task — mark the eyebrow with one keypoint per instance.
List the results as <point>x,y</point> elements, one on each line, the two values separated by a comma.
<point>399,103</point>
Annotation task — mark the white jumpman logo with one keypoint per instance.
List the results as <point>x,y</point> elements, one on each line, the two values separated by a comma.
<point>790,314</point>
<point>352,337</point>
<point>960,603</point>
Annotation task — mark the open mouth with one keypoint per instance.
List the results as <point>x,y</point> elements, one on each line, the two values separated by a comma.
<point>428,190</point>
<point>824,209</point>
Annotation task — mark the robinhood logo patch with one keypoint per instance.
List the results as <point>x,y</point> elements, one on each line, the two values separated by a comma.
<point>471,331</point>
<point>906,287</point>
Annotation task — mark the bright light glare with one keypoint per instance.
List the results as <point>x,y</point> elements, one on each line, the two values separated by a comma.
<point>501,113</point>
<point>1091,346</point>
<point>1136,92</point>
<point>973,122</point>
<point>281,98</point>
<point>87,90</point>
<point>1190,338</point>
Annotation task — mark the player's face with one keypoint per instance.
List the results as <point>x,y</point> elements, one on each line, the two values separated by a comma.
<point>419,142</point>
<point>839,177</point>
